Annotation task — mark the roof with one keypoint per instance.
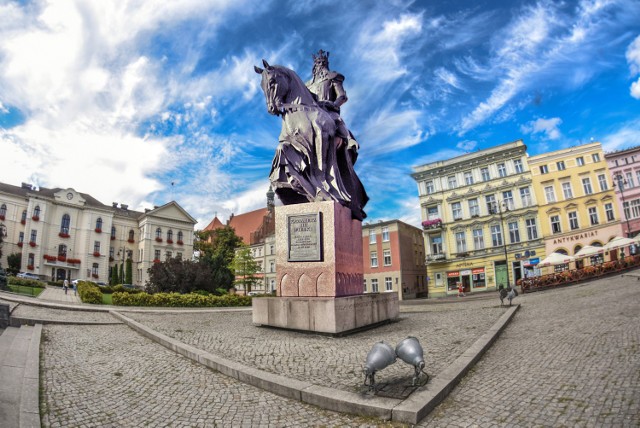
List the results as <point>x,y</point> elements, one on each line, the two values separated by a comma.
<point>243,224</point>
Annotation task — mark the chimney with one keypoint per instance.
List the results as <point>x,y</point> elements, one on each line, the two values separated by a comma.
<point>114,204</point>
<point>27,186</point>
<point>124,207</point>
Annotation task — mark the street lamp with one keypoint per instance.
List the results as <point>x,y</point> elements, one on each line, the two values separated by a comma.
<point>621,182</point>
<point>498,208</point>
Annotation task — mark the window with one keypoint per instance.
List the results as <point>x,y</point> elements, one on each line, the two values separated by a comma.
<point>518,166</point>
<point>113,232</point>
<point>374,285</point>
<point>3,210</point>
<point>627,211</point>
<point>436,245</point>
<point>131,235</point>
<point>496,235</point>
<point>388,284</point>
<point>549,194</point>
<point>478,239</point>
<point>385,234</point>
<point>502,170</point>
<point>430,188</point>
<point>34,236</point>
<point>364,282</point>
<point>272,266</point>
<point>452,182</point>
<point>555,224</point>
<point>432,213</point>
<point>456,208</point>
<point>180,236</point>
<point>573,221</point>
<point>169,235</point>
<point>372,236</point>
<point>374,259</point>
<point>507,198</point>
<point>468,178</point>
<point>629,179</point>
<point>474,208</point>
<point>608,208</point>
<point>561,166</point>
<point>21,237</point>
<point>593,215</point>
<point>566,190</point>
<point>514,232</point>
<point>94,270</point>
<point>525,196</point>
<point>532,228</point>
<point>159,233</point>
<point>36,212</point>
<point>112,252</point>
<point>31,260</point>
<point>586,185</point>
<point>580,161</point>
<point>99,224</point>
<point>595,157</point>
<point>485,174</point>
<point>156,254</point>
<point>96,246</point>
<point>461,243</point>
<point>602,181</point>
<point>64,224</point>
<point>23,219</point>
<point>386,257</point>
<point>491,203</point>
<point>62,250</point>
<point>544,169</point>
<point>635,208</point>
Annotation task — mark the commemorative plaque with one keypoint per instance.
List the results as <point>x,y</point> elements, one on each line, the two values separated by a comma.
<point>304,238</point>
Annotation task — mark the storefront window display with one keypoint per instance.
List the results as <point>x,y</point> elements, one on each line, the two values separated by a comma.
<point>452,281</point>
<point>478,278</point>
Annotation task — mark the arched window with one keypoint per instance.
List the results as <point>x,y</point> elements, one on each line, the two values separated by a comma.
<point>577,248</point>
<point>3,211</point>
<point>131,235</point>
<point>159,233</point>
<point>180,237</point>
<point>36,213</point>
<point>170,236</point>
<point>99,225</point>
<point>23,219</point>
<point>62,250</point>
<point>65,223</point>
<point>562,251</point>
<point>113,232</point>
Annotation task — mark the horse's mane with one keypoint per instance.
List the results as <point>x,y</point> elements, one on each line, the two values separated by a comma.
<point>297,86</point>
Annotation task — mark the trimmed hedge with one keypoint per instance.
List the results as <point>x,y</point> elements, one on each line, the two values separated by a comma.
<point>109,289</point>
<point>177,300</point>
<point>12,280</point>
<point>89,292</point>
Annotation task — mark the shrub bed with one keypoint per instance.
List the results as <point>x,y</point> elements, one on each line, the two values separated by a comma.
<point>89,292</point>
<point>109,289</point>
<point>176,300</point>
<point>12,280</point>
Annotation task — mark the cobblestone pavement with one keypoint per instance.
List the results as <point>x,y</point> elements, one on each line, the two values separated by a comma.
<point>108,376</point>
<point>323,360</point>
<point>51,314</point>
<point>57,294</point>
<point>570,357</point>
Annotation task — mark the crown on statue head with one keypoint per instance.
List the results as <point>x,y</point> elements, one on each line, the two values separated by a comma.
<point>321,57</point>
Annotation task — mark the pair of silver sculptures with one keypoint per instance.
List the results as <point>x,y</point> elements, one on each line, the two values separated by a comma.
<point>383,355</point>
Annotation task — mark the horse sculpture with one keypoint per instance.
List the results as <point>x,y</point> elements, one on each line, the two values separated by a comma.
<point>311,163</point>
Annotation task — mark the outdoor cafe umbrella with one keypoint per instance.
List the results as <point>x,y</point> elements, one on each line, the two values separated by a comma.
<point>618,241</point>
<point>588,250</point>
<point>556,259</point>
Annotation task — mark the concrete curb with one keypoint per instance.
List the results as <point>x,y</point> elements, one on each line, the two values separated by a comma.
<point>327,398</point>
<point>411,410</point>
<point>30,397</point>
<point>18,321</point>
<point>423,401</point>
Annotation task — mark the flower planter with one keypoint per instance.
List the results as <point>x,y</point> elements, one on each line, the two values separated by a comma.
<point>63,235</point>
<point>30,267</point>
<point>180,243</point>
<point>1,217</point>
<point>94,275</point>
<point>35,218</point>
<point>98,230</point>
<point>169,241</point>
<point>23,222</point>
<point>96,254</point>
<point>20,244</point>
<point>156,260</point>
<point>62,258</point>
<point>158,239</point>
<point>73,261</point>
<point>113,238</point>
<point>131,241</point>
<point>32,244</point>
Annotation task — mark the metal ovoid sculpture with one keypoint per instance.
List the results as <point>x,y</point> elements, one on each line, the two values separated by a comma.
<point>316,152</point>
<point>383,355</point>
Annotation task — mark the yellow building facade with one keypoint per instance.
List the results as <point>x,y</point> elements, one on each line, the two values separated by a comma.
<point>480,220</point>
<point>576,198</point>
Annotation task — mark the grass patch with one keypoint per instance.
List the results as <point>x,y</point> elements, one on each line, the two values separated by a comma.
<point>26,290</point>
<point>107,299</point>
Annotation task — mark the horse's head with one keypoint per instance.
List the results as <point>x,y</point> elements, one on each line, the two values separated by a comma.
<point>275,84</point>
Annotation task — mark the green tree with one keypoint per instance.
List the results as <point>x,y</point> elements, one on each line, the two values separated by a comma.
<point>13,262</point>
<point>114,275</point>
<point>245,268</point>
<point>121,274</point>
<point>217,250</point>
<point>129,271</point>
<point>180,276</point>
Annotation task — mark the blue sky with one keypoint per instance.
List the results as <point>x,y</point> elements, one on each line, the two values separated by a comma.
<point>121,99</point>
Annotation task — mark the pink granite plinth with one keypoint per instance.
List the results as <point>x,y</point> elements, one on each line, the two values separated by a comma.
<point>340,270</point>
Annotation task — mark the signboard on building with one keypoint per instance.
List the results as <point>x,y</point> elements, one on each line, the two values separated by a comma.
<point>304,238</point>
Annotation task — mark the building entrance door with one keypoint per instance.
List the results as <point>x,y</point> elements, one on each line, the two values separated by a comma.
<point>517,271</point>
<point>61,274</point>
<point>466,283</point>
<point>501,274</point>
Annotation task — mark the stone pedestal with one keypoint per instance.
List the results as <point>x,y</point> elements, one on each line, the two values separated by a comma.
<point>320,280</point>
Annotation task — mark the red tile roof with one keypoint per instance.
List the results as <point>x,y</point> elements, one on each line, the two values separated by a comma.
<point>244,224</point>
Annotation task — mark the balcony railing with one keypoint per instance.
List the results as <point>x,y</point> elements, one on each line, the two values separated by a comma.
<point>432,224</point>
<point>436,258</point>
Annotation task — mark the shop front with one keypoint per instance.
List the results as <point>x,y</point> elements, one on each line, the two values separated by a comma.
<point>472,280</point>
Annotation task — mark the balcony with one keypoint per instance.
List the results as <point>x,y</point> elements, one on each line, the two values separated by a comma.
<point>434,224</point>
<point>436,258</point>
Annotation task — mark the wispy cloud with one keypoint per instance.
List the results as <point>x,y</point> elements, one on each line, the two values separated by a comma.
<point>547,127</point>
<point>633,58</point>
<point>626,136</point>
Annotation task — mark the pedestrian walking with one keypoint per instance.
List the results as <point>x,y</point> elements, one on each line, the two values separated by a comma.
<point>65,285</point>
<point>75,288</point>
<point>460,290</point>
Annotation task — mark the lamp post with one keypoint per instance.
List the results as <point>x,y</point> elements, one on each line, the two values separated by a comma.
<point>621,182</point>
<point>499,207</point>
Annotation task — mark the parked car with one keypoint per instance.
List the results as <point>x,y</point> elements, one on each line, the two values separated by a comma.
<point>28,275</point>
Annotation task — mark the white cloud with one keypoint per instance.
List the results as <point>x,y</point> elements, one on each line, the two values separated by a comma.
<point>628,135</point>
<point>635,89</point>
<point>467,145</point>
<point>633,58</point>
<point>547,127</point>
